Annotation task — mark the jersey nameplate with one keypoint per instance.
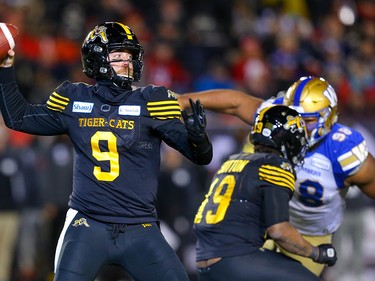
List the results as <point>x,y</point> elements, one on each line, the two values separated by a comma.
<point>82,107</point>
<point>233,166</point>
<point>132,110</point>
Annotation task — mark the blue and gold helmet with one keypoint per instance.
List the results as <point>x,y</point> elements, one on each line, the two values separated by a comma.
<point>103,39</point>
<point>281,128</point>
<point>316,100</point>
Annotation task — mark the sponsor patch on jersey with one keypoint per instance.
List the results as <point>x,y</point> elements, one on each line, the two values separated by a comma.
<point>82,107</point>
<point>132,110</point>
<point>320,163</point>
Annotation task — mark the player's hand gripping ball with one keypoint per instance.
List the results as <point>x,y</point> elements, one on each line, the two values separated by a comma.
<point>8,33</point>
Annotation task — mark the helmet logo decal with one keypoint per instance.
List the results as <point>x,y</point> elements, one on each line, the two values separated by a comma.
<point>330,94</point>
<point>99,31</point>
<point>294,122</point>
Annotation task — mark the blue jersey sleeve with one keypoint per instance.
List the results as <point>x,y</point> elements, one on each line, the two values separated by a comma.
<point>348,150</point>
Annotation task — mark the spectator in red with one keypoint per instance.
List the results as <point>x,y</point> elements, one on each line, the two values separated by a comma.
<point>163,68</point>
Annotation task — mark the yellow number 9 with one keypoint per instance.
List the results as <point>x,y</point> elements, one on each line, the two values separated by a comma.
<point>111,155</point>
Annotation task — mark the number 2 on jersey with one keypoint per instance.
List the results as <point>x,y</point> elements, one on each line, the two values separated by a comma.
<point>111,155</point>
<point>220,195</point>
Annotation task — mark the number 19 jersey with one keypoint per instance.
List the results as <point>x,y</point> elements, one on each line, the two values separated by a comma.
<point>233,218</point>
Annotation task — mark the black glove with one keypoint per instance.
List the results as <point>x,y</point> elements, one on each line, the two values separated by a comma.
<point>327,255</point>
<point>196,122</point>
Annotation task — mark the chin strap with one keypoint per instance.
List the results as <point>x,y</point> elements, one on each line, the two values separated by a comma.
<point>121,81</point>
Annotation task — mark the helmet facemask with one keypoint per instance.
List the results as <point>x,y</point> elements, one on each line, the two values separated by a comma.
<point>295,150</point>
<point>324,120</point>
<point>131,74</point>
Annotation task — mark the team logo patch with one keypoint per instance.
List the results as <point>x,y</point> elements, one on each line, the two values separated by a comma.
<point>82,107</point>
<point>171,94</point>
<point>286,166</point>
<point>146,225</point>
<point>132,110</point>
<point>80,222</point>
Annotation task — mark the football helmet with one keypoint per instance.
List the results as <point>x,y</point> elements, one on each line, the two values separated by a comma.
<point>314,98</point>
<point>103,39</point>
<point>282,128</point>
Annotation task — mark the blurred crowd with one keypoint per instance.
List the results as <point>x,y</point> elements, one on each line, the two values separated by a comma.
<point>258,46</point>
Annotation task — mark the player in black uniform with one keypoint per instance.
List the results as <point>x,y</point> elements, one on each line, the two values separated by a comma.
<point>116,130</point>
<point>249,199</point>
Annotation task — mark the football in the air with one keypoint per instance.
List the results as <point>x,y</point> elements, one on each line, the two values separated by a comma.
<point>8,33</point>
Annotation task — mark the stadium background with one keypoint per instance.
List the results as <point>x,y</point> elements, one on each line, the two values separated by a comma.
<point>259,46</point>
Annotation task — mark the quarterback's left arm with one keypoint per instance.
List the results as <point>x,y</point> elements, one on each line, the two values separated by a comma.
<point>190,139</point>
<point>365,177</point>
<point>196,127</point>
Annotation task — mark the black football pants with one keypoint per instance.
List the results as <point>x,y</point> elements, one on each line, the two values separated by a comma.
<point>263,265</point>
<point>87,245</point>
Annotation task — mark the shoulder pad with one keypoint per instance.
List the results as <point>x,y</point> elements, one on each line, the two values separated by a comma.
<point>58,100</point>
<point>162,104</point>
<point>279,172</point>
<point>350,147</point>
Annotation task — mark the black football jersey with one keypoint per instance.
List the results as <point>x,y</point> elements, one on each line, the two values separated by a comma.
<point>116,135</point>
<point>233,218</point>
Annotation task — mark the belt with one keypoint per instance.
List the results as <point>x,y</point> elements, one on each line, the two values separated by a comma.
<point>207,263</point>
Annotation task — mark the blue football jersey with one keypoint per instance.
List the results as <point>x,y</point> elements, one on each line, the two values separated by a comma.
<point>319,199</point>
<point>317,207</point>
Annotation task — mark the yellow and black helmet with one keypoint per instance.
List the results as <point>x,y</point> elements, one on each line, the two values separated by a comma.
<point>102,40</point>
<point>282,128</point>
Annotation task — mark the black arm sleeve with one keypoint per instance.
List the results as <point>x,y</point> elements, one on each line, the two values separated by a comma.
<point>12,103</point>
<point>19,115</point>
<point>202,150</point>
<point>276,205</point>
